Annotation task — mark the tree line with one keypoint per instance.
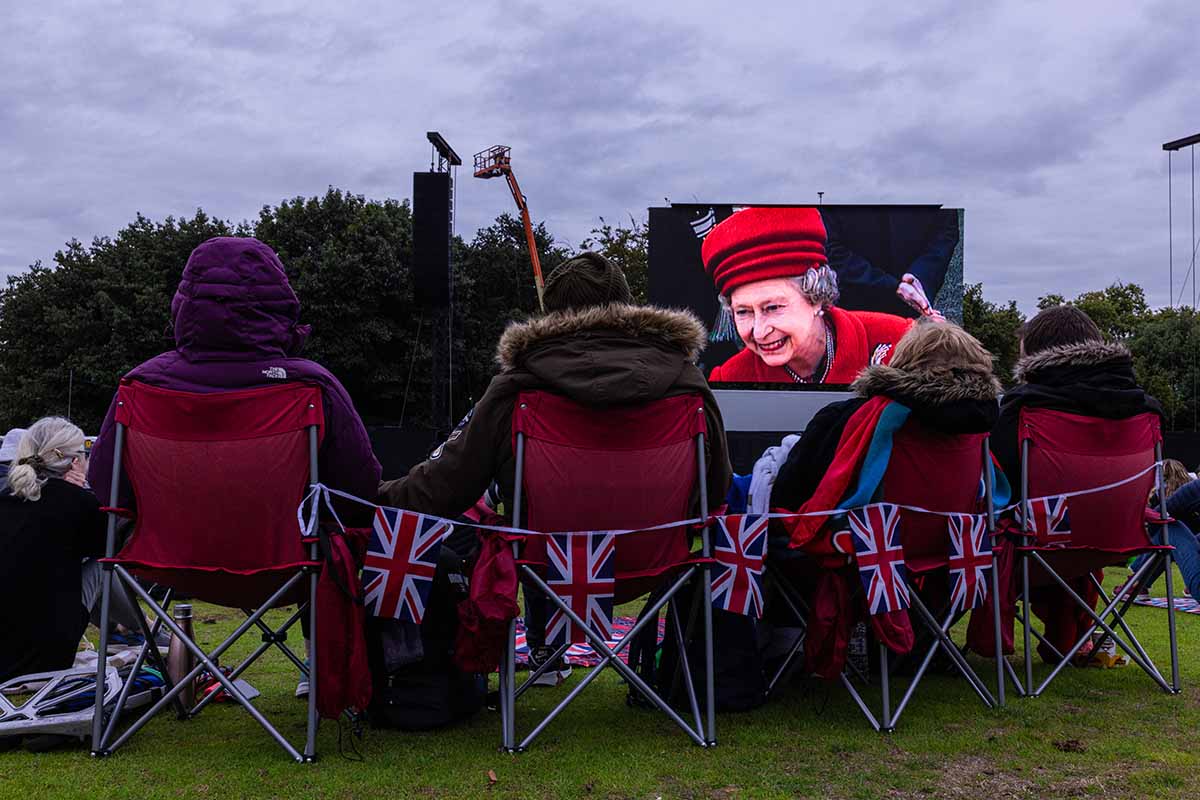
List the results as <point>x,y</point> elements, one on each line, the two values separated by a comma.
<point>68,332</point>
<point>1163,341</point>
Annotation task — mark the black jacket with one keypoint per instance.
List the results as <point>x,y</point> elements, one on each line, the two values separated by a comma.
<point>41,607</point>
<point>1094,379</point>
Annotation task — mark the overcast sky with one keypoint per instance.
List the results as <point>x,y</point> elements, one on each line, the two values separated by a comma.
<point>1043,120</point>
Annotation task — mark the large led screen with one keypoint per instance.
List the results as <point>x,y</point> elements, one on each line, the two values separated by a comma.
<point>798,296</point>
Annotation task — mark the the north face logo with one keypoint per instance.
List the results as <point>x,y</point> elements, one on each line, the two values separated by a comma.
<point>275,373</point>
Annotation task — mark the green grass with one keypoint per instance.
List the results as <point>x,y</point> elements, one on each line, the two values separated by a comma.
<point>1096,733</point>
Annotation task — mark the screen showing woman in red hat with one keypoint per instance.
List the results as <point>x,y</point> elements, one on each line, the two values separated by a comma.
<point>775,284</point>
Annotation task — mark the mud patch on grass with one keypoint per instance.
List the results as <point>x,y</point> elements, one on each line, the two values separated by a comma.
<point>975,777</point>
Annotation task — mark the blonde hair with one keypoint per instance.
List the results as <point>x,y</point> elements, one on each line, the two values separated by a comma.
<point>1175,474</point>
<point>929,346</point>
<point>46,451</point>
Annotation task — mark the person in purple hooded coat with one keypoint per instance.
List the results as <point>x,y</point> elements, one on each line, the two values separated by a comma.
<point>236,327</point>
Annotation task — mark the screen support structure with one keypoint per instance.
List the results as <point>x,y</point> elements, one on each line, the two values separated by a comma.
<point>1186,143</point>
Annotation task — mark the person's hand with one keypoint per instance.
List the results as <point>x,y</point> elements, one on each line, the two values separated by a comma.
<point>912,292</point>
<point>77,474</point>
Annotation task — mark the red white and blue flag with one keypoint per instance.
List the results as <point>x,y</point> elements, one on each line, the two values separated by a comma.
<point>970,560</point>
<point>880,557</point>
<point>738,545</point>
<point>1049,521</point>
<point>579,569</point>
<point>400,563</point>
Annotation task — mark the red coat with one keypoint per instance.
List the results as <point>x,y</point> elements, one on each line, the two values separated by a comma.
<point>863,338</point>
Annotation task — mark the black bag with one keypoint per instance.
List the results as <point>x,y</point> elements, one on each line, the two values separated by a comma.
<point>416,683</point>
<point>737,661</point>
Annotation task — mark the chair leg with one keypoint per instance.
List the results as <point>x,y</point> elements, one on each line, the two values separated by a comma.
<point>1025,624</point>
<point>997,633</point>
<point>98,739</point>
<point>710,691</point>
<point>681,643</point>
<point>885,722</point>
<point>508,689</point>
<point>310,740</point>
<point>1175,684</point>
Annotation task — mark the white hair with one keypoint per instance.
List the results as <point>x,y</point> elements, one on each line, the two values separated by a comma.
<point>46,451</point>
<point>817,285</point>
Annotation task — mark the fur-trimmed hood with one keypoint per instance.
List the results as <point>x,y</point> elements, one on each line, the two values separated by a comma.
<point>953,401</point>
<point>931,387</point>
<point>679,330</point>
<point>1080,354</point>
<point>605,355</point>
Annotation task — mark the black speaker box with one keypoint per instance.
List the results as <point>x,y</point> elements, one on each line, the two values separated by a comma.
<point>431,239</point>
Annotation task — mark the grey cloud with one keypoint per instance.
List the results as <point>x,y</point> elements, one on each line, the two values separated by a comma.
<point>1044,125</point>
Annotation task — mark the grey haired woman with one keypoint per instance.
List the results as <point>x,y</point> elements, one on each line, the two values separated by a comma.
<point>51,528</point>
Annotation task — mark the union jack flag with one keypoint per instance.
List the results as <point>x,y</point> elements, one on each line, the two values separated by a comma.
<point>400,563</point>
<point>580,571</point>
<point>738,545</point>
<point>876,532</point>
<point>1049,521</point>
<point>970,560</point>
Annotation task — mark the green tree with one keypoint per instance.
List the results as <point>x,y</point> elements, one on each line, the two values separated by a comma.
<point>1117,310</point>
<point>627,247</point>
<point>1165,358</point>
<point>996,326</point>
<point>348,260</point>
<point>80,326</point>
<point>1050,301</point>
<point>493,285</point>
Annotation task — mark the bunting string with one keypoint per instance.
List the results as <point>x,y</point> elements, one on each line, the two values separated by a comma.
<point>320,491</point>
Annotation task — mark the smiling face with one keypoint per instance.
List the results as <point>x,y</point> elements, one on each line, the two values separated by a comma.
<point>779,324</point>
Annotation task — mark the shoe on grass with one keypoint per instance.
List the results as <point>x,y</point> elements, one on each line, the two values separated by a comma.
<point>302,684</point>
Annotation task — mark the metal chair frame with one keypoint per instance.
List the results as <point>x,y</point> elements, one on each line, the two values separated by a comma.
<point>1114,607</point>
<point>702,733</point>
<point>888,717</point>
<point>103,741</point>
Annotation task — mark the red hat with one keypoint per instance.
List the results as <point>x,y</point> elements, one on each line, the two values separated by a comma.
<point>758,244</point>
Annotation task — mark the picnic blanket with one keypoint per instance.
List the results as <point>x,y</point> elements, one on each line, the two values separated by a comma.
<point>1185,604</point>
<point>582,655</point>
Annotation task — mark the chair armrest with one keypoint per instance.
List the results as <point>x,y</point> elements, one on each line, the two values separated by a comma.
<point>123,513</point>
<point>1150,517</point>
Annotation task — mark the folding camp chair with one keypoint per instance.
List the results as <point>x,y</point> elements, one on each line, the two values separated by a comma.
<point>928,470</point>
<point>217,479</point>
<point>1068,540</point>
<point>616,469</point>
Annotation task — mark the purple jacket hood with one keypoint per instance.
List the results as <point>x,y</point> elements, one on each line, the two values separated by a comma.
<point>234,302</point>
<point>236,328</point>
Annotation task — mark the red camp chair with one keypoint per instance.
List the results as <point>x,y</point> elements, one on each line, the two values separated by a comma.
<point>617,469</point>
<point>927,470</point>
<point>217,479</point>
<point>1063,453</point>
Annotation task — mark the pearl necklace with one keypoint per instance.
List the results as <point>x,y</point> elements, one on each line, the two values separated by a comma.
<point>828,361</point>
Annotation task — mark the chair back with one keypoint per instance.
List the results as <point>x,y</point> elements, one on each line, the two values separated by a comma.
<point>1063,452</point>
<point>936,471</point>
<point>627,467</point>
<point>217,479</point>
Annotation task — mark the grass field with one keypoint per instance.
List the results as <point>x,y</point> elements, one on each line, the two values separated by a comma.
<point>1097,733</point>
